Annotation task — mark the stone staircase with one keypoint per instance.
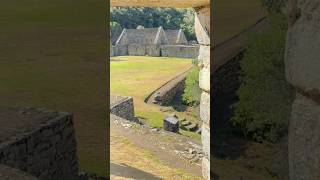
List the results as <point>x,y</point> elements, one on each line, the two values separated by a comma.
<point>190,126</point>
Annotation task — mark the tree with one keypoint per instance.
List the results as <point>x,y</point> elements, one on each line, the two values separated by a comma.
<point>168,18</point>
<point>265,97</point>
<point>115,32</point>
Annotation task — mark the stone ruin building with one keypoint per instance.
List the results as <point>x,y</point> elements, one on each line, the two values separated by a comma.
<point>202,29</point>
<point>154,42</point>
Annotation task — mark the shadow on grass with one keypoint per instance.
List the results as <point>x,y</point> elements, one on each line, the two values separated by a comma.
<point>126,171</point>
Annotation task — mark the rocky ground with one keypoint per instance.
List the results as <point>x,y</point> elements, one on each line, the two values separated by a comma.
<point>141,152</point>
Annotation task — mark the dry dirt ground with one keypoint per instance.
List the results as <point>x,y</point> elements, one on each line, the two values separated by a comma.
<point>140,152</point>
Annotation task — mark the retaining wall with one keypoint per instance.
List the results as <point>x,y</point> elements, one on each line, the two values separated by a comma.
<point>181,51</point>
<point>122,107</point>
<point>39,142</point>
<point>165,96</point>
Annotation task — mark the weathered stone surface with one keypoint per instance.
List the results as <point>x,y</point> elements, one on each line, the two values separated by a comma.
<point>204,78</point>
<point>202,25</point>
<point>8,173</point>
<point>40,142</point>
<point>304,139</point>
<point>204,56</point>
<point>123,107</point>
<point>302,71</point>
<point>205,107</point>
<point>205,138</point>
<point>171,124</point>
<point>302,51</point>
<point>182,51</point>
<point>206,168</point>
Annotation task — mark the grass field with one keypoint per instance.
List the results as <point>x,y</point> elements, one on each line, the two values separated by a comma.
<point>138,76</point>
<point>53,55</point>
<point>141,161</point>
<point>232,16</point>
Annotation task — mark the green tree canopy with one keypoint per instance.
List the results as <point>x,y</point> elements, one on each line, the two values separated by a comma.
<point>168,18</point>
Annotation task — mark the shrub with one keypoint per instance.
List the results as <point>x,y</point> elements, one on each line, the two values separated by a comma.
<point>265,97</point>
<point>192,91</point>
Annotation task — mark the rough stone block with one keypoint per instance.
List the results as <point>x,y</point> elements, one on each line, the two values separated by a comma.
<point>171,124</point>
<point>202,25</point>
<point>205,138</point>
<point>206,168</point>
<point>204,56</point>
<point>304,139</point>
<point>205,108</point>
<point>204,79</point>
<point>302,49</point>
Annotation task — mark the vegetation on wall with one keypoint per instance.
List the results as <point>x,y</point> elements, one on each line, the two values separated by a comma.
<point>274,6</point>
<point>168,18</point>
<point>115,30</point>
<point>192,91</point>
<point>265,97</point>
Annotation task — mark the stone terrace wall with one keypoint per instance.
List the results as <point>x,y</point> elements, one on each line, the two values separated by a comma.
<point>181,51</point>
<point>39,142</point>
<point>166,96</point>
<point>122,107</point>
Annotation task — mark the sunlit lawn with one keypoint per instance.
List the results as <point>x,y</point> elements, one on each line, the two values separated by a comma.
<point>138,76</point>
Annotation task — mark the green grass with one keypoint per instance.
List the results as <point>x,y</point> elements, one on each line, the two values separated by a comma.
<point>53,56</point>
<point>232,16</point>
<point>138,76</point>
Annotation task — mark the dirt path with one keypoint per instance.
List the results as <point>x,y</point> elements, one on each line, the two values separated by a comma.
<point>143,153</point>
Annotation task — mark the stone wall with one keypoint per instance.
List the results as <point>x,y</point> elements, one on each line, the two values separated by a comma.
<point>122,107</point>
<point>202,29</point>
<point>120,50</point>
<point>303,72</point>
<point>165,96</point>
<point>181,51</point>
<point>39,142</point>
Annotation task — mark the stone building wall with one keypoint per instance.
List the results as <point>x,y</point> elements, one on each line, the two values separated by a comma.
<point>122,107</point>
<point>39,142</point>
<point>136,50</point>
<point>202,29</point>
<point>302,61</point>
<point>181,51</point>
<point>120,50</point>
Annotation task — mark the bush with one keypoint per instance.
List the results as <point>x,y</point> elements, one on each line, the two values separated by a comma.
<point>265,97</point>
<point>192,91</point>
